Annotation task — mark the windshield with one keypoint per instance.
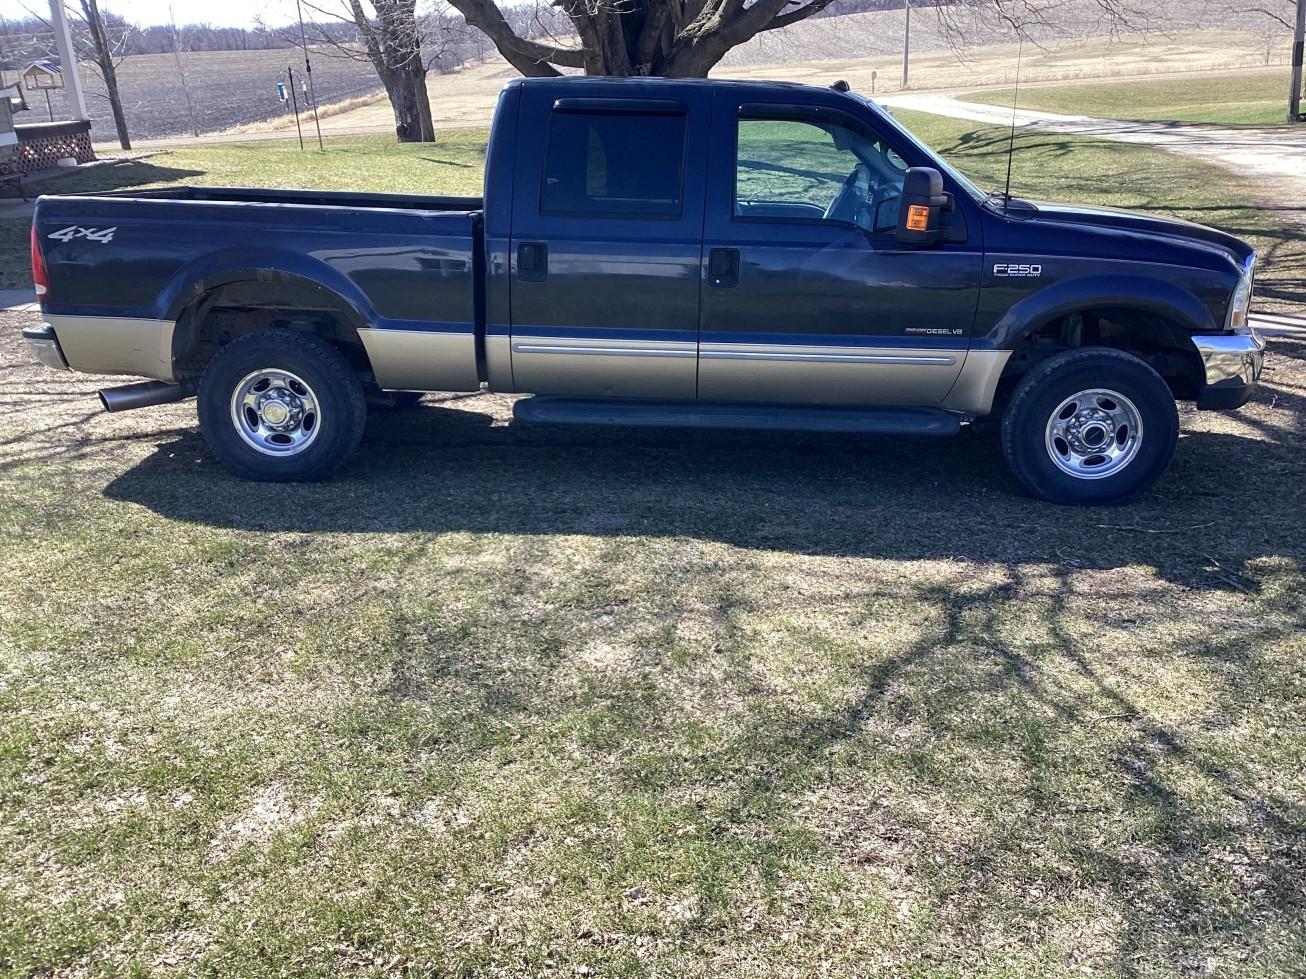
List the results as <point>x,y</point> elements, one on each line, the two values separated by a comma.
<point>962,180</point>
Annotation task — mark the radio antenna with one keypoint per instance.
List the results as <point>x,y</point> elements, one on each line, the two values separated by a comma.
<point>1011,143</point>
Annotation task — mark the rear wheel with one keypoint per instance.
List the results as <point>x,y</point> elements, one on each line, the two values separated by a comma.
<point>1090,426</point>
<point>281,406</point>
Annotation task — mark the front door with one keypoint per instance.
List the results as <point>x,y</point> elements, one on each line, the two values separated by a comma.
<point>807,295</point>
<point>606,248</point>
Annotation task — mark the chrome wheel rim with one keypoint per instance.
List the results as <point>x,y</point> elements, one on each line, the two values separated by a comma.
<point>275,412</point>
<point>1094,434</point>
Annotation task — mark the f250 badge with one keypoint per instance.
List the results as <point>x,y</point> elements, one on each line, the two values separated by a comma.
<point>102,235</point>
<point>1018,271</point>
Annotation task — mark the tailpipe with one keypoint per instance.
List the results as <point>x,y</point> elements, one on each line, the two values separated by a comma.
<point>143,395</point>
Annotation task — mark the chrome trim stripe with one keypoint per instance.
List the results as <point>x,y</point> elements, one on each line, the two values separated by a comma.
<point>831,358</point>
<point>825,373</point>
<point>540,348</point>
<point>604,367</point>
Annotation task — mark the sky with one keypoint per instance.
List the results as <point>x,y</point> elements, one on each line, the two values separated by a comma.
<point>226,13</point>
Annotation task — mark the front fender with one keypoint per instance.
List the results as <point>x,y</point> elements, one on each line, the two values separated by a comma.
<point>1136,292</point>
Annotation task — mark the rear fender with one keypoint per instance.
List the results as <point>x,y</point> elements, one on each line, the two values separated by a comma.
<point>272,266</point>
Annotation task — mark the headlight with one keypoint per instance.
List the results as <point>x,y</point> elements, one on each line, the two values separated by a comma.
<point>1241,303</point>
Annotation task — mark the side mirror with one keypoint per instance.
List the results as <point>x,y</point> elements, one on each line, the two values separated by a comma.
<point>920,215</point>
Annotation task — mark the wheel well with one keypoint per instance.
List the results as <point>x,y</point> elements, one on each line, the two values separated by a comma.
<point>235,309</point>
<point>1163,343</point>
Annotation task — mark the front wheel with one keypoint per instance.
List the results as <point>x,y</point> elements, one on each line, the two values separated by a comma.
<point>281,406</point>
<point>1090,427</point>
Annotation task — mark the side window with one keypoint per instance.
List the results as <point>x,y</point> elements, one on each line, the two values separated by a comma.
<point>614,164</point>
<point>816,171</point>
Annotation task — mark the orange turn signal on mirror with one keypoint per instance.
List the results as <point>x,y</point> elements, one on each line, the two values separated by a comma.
<point>918,218</point>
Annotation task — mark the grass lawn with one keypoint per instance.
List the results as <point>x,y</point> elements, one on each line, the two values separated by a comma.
<point>512,701</point>
<point>1252,98</point>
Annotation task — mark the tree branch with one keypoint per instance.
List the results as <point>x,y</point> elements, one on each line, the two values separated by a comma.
<point>528,57</point>
<point>794,16</point>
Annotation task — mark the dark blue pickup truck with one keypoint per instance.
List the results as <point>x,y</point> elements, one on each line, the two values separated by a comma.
<point>663,252</point>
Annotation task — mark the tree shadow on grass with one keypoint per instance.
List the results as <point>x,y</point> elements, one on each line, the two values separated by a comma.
<point>109,177</point>
<point>1201,851</point>
<point>1194,848</point>
<point>439,471</point>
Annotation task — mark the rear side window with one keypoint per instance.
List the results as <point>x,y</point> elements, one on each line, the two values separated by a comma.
<point>614,164</point>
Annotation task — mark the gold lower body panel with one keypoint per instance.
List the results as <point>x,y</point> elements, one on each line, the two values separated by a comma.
<point>412,360</point>
<point>116,345</point>
<point>826,375</point>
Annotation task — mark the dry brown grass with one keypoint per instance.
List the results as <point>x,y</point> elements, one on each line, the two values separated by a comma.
<point>506,701</point>
<point>509,701</point>
<point>467,97</point>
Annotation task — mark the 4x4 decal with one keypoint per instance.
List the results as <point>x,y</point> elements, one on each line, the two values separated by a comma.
<point>102,235</point>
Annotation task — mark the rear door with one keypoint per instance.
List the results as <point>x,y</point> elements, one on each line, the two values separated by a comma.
<point>607,243</point>
<point>808,296</point>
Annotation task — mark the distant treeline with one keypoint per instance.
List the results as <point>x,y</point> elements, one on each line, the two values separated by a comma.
<point>23,41</point>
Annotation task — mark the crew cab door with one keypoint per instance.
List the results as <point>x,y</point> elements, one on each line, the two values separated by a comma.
<point>607,229</point>
<point>807,295</point>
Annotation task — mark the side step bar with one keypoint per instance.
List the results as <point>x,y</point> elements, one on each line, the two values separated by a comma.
<point>552,410</point>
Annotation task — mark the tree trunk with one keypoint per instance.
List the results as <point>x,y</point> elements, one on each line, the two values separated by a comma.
<point>394,46</point>
<point>424,107</point>
<point>104,57</point>
<point>406,88</point>
<point>115,101</point>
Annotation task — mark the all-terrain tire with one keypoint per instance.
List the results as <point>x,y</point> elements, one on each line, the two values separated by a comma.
<point>319,412</point>
<point>1090,427</point>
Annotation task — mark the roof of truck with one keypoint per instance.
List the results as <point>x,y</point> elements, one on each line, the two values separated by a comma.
<point>654,83</point>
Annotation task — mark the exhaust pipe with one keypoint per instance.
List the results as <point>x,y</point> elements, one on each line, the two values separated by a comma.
<point>143,395</point>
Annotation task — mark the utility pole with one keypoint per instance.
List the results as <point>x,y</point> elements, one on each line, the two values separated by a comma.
<point>1299,42</point>
<point>72,78</point>
<point>906,46</point>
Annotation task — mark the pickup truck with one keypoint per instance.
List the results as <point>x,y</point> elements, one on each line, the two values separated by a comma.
<point>662,252</point>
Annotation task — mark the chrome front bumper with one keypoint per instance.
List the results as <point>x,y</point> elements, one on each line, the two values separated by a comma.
<point>45,346</point>
<point>1232,362</point>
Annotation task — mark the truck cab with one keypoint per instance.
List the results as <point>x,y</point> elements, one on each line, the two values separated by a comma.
<point>667,252</point>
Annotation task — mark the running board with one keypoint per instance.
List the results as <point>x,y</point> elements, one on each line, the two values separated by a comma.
<point>552,410</point>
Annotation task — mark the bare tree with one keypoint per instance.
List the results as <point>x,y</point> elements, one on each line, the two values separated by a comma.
<point>401,43</point>
<point>1035,19</point>
<point>102,39</point>
<point>638,37</point>
<point>177,44</point>
<point>107,56</point>
<point>687,38</point>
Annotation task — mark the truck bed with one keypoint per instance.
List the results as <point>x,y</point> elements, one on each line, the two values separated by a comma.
<point>401,261</point>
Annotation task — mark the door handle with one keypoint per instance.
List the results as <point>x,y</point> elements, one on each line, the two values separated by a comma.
<point>723,267</point>
<point>532,261</point>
